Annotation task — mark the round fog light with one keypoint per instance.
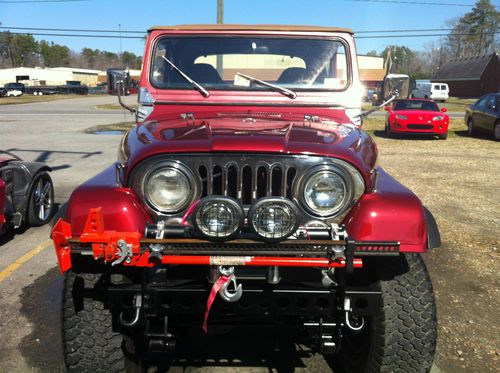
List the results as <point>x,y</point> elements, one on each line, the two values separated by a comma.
<point>218,218</point>
<point>273,219</point>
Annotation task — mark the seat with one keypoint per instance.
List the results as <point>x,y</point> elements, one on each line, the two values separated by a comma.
<point>204,73</point>
<point>292,75</point>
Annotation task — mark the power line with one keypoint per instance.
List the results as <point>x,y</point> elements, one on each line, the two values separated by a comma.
<point>144,32</point>
<point>40,1</point>
<point>359,37</point>
<point>77,35</point>
<point>73,30</point>
<point>411,2</point>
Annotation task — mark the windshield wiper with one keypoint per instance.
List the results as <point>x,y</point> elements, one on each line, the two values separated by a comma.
<point>196,86</point>
<point>276,88</point>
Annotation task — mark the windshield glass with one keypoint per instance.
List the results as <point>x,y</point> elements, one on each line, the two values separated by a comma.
<point>213,62</point>
<point>415,105</point>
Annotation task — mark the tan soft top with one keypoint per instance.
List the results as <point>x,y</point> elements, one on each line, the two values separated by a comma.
<point>230,27</point>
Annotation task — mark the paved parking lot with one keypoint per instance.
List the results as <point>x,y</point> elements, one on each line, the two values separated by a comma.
<point>53,132</point>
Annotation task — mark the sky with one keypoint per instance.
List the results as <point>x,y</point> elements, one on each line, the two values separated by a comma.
<point>359,15</point>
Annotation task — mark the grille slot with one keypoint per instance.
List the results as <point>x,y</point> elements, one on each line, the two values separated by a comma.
<point>420,126</point>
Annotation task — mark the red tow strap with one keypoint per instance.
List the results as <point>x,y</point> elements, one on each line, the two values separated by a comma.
<point>213,293</point>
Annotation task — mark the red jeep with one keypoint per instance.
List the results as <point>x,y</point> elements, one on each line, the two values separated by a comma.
<point>247,195</point>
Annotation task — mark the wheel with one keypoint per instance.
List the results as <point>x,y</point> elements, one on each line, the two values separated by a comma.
<point>89,343</point>
<point>426,97</point>
<point>444,136</point>
<point>401,337</point>
<point>388,131</point>
<point>41,201</point>
<point>496,131</point>
<point>470,127</point>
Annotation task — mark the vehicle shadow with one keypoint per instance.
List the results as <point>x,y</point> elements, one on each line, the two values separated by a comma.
<point>382,134</point>
<point>480,135</point>
<point>252,349</point>
<point>41,305</point>
<point>275,350</point>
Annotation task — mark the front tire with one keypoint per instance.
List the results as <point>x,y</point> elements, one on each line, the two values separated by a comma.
<point>444,136</point>
<point>41,201</point>
<point>471,131</point>
<point>496,131</point>
<point>90,344</point>
<point>401,337</point>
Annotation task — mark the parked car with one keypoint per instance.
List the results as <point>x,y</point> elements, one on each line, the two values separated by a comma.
<point>484,116</point>
<point>248,194</point>
<point>15,87</point>
<point>433,91</point>
<point>26,193</point>
<point>418,117</point>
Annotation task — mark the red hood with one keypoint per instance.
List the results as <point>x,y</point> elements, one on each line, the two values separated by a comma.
<point>5,160</point>
<point>250,135</point>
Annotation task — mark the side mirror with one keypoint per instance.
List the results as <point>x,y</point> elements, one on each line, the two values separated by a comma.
<point>387,108</point>
<point>397,85</point>
<point>118,82</point>
<point>444,110</point>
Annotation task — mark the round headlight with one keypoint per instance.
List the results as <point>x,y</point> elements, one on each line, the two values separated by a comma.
<point>273,218</point>
<point>168,189</point>
<point>325,193</point>
<point>218,217</point>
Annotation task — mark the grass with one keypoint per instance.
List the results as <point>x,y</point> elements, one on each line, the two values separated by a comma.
<point>376,126</point>
<point>113,107</point>
<point>26,99</point>
<point>121,126</point>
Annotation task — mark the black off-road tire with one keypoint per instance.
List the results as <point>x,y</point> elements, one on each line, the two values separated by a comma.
<point>90,344</point>
<point>401,337</point>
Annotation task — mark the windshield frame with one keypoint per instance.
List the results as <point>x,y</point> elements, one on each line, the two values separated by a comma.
<point>254,89</point>
<point>415,100</point>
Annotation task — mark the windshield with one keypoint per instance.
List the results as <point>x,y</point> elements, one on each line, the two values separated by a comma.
<point>213,62</point>
<point>415,105</point>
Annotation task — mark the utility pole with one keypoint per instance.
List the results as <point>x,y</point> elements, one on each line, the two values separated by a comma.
<point>220,20</point>
<point>121,51</point>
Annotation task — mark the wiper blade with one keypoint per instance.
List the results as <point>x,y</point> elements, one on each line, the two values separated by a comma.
<point>196,86</point>
<point>276,88</point>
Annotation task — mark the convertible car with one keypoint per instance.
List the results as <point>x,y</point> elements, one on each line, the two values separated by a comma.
<point>416,116</point>
<point>26,193</point>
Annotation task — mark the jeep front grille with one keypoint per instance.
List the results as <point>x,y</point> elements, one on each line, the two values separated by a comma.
<point>247,181</point>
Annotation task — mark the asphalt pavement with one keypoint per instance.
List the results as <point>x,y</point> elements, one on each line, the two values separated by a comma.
<point>30,282</point>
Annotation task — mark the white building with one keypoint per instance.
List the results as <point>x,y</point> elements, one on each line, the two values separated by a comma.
<point>36,76</point>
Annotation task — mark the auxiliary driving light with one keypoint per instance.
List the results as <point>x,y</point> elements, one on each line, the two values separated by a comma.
<point>273,218</point>
<point>218,218</point>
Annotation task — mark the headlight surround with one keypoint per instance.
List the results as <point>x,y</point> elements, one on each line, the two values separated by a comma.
<point>169,188</point>
<point>403,117</point>
<point>329,190</point>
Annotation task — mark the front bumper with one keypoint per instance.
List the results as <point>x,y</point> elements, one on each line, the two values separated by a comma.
<point>433,128</point>
<point>132,249</point>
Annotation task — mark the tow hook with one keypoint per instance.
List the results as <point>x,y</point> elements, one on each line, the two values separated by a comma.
<point>137,313</point>
<point>354,322</point>
<point>234,294</point>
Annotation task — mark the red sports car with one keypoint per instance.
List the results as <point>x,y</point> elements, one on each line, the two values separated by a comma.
<point>416,116</point>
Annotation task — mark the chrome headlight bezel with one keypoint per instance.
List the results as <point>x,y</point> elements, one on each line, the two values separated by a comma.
<point>351,178</point>
<point>181,169</point>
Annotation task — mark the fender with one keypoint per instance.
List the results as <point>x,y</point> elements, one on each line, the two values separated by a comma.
<point>24,178</point>
<point>122,210</point>
<point>390,212</point>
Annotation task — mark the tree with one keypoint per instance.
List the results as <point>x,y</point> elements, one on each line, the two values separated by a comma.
<point>131,61</point>
<point>372,53</point>
<point>54,54</point>
<point>401,58</point>
<point>475,32</point>
<point>23,50</point>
